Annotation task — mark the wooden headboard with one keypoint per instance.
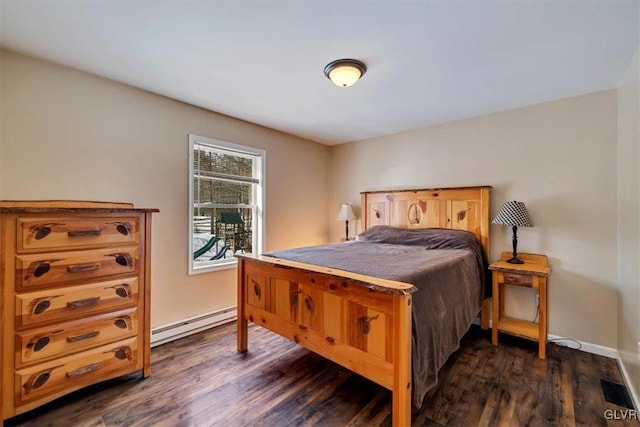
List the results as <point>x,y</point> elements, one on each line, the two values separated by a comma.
<point>464,208</point>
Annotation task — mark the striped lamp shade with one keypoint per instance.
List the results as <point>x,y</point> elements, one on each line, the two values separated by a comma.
<point>513,213</point>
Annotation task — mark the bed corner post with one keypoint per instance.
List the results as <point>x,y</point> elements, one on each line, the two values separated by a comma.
<point>484,315</point>
<point>242,319</point>
<point>401,407</point>
<point>484,231</point>
<point>363,212</point>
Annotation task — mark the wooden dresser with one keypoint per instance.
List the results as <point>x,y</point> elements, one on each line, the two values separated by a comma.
<point>75,302</point>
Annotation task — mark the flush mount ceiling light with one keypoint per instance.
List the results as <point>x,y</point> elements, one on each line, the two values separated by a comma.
<point>345,72</point>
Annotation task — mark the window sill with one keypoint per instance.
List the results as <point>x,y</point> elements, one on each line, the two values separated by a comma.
<point>213,267</point>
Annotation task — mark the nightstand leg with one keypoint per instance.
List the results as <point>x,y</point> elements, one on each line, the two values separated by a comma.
<point>542,339</point>
<point>495,315</point>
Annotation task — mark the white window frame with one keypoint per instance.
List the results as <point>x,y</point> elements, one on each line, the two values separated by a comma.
<point>258,196</point>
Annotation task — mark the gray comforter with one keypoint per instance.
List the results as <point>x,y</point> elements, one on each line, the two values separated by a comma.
<point>449,269</point>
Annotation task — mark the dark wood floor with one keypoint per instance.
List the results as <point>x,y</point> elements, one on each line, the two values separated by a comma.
<point>202,381</point>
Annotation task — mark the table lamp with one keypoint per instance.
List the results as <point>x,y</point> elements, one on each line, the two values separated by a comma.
<point>346,213</point>
<point>514,214</point>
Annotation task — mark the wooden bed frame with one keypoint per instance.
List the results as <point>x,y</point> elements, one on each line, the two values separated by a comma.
<point>360,322</point>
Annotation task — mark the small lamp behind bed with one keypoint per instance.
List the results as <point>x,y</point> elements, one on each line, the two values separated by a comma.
<point>514,214</point>
<point>346,213</point>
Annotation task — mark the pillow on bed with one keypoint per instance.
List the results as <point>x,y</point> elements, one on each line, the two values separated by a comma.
<point>431,238</point>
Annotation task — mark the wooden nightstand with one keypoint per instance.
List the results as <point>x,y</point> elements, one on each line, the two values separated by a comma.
<point>532,274</point>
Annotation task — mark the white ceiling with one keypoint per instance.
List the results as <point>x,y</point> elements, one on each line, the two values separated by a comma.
<point>429,61</point>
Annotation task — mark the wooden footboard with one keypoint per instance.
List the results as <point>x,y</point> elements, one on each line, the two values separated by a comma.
<point>360,322</point>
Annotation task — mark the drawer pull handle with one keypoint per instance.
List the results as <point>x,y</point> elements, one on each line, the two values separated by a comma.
<point>82,337</point>
<point>82,233</point>
<point>41,269</point>
<point>84,370</point>
<point>41,307</point>
<point>42,232</point>
<point>515,279</point>
<point>83,268</point>
<point>83,302</point>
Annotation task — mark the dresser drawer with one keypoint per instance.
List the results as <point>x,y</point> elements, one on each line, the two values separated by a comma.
<point>68,373</point>
<point>36,345</point>
<point>63,233</point>
<point>57,305</point>
<point>517,279</point>
<point>59,268</point>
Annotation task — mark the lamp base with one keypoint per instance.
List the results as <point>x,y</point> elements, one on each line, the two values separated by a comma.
<point>514,256</point>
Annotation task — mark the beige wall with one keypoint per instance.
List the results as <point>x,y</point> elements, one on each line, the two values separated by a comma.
<point>629,221</point>
<point>557,157</point>
<point>65,134</point>
<point>69,135</point>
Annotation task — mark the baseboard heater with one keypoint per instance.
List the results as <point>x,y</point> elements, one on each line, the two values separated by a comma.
<point>173,331</point>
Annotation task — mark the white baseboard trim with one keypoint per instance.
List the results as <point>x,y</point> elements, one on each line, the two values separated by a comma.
<point>173,331</point>
<point>627,381</point>
<point>600,350</point>
<point>183,328</point>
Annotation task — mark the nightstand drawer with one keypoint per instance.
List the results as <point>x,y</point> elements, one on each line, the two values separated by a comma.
<point>517,279</point>
<point>63,233</point>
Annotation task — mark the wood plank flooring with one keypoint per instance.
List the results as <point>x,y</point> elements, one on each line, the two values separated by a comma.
<point>201,380</point>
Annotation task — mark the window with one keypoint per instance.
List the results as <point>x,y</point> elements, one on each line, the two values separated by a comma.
<point>226,202</point>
